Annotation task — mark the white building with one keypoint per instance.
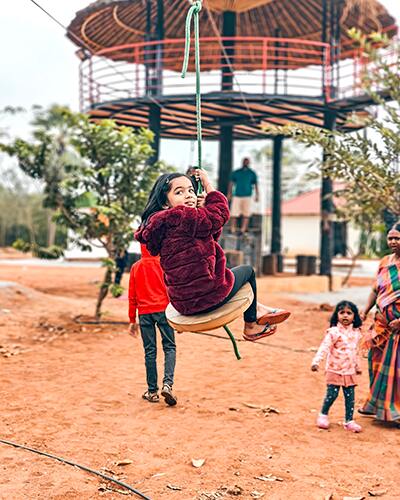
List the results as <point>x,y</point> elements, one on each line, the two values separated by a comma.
<point>300,230</point>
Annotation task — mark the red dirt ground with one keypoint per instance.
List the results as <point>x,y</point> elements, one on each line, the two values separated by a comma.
<point>75,391</point>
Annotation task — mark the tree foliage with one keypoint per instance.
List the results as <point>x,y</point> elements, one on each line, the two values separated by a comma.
<point>22,215</point>
<point>96,178</point>
<point>294,167</point>
<point>365,166</point>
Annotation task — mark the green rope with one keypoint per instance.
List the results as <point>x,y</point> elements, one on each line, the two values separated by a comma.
<point>194,12</point>
<point>235,347</point>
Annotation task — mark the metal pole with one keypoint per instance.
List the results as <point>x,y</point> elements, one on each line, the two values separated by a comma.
<point>276,243</point>
<point>155,127</point>
<point>228,30</point>
<point>276,61</point>
<point>159,50</point>
<point>225,158</point>
<point>154,75</point>
<point>81,94</point>
<point>91,82</point>
<point>226,132</point>
<point>147,49</point>
<point>337,48</point>
<point>332,45</point>
<point>323,40</point>
<point>327,210</point>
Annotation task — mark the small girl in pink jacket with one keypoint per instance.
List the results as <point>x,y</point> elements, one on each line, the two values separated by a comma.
<point>340,344</point>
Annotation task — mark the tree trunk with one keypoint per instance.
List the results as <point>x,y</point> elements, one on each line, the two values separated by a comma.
<point>354,258</point>
<point>2,234</point>
<point>29,223</point>
<point>103,292</point>
<point>51,230</point>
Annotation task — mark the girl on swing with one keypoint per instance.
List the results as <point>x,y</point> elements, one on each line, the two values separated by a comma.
<point>193,263</point>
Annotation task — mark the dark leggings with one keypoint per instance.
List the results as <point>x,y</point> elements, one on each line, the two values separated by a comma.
<point>332,393</point>
<point>243,275</point>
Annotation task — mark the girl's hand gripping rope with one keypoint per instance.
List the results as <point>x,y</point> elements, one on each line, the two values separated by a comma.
<point>205,181</point>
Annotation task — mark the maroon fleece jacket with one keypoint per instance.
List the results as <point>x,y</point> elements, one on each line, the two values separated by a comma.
<point>194,264</point>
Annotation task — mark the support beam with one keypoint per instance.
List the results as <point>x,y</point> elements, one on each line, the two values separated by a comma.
<point>160,20</point>
<point>160,47</point>
<point>228,30</point>
<point>324,37</point>
<point>154,73</point>
<point>155,127</point>
<point>147,51</point>
<point>225,158</point>
<point>226,132</point>
<point>276,239</point>
<point>334,43</point>
<point>276,61</point>
<point>153,56</point>
<point>327,209</point>
<point>338,15</point>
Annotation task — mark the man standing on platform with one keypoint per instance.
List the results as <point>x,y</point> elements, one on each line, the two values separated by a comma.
<point>240,191</point>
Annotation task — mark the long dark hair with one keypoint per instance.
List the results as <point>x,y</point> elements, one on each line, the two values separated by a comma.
<point>339,307</point>
<point>396,226</point>
<point>158,194</point>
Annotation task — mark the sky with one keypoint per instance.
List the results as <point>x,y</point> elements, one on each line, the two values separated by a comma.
<point>39,66</point>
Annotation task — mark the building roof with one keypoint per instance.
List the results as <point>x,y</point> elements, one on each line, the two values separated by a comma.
<point>109,23</point>
<point>308,203</point>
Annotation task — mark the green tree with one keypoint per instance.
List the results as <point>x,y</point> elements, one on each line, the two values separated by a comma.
<point>96,178</point>
<point>8,111</point>
<point>295,161</point>
<point>365,166</point>
<point>22,215</point>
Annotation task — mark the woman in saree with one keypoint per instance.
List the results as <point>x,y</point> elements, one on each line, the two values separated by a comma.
<point>383,339</point>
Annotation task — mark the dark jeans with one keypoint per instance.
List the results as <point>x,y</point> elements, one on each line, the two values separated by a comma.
<point>120,264</point>
<point>243,275</point>
<point>332,392</point>
<point>148,324</point>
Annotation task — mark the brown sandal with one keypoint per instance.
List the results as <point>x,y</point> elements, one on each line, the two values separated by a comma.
<point>273,317</point>
<point>265,332</point>
<point>151,397</point>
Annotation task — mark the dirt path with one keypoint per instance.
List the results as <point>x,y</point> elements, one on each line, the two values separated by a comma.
<point>75,390</point>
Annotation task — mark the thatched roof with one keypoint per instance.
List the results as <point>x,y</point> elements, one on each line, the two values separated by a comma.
<point>107,23</point>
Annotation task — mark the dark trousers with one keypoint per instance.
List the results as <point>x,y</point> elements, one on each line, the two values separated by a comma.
<point>243,275</point>
<point>332,392</point>
<point>120,264</point>
<point>148,323</point>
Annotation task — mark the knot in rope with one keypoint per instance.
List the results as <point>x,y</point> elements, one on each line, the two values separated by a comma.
<point>197,4</point>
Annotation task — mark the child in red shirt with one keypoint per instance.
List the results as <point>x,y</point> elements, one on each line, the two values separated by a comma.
<point>148,295</point>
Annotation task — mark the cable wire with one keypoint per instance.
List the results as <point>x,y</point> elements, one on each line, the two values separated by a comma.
<point>82,467</point>
<point>77,38</point>
<point>89,48</point>
<point>216,31</point>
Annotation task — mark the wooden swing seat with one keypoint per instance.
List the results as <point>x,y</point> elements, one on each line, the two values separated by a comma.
<point>215,319</point>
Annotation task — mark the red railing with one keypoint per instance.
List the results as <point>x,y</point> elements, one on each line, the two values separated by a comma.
<point>355,65</point>
<point>254,65</point>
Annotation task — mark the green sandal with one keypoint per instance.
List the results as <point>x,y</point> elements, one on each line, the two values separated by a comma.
<point>151,397</point>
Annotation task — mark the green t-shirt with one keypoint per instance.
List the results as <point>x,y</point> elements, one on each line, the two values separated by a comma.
<point>243,179</point>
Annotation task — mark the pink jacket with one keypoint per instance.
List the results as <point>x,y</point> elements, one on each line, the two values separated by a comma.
<point>340,344</point>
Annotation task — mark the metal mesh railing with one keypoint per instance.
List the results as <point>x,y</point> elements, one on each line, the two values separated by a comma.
<point>253,65</point>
